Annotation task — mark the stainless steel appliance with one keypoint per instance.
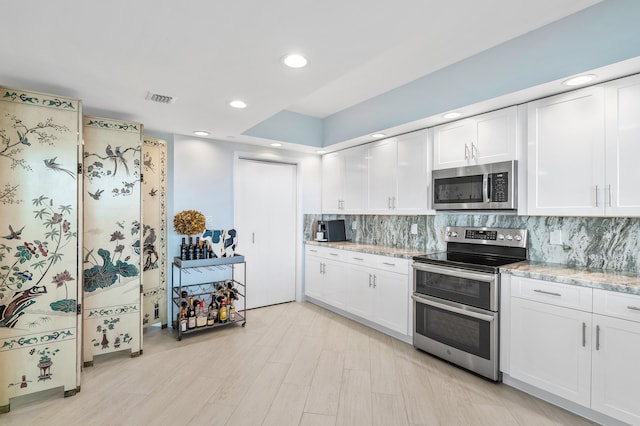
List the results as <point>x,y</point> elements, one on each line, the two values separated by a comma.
<point>456,296</point>
<point>483,187</point>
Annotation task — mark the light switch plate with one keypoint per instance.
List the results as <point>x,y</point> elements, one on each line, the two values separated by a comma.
<point>414,229</point>
<point>555,237</point>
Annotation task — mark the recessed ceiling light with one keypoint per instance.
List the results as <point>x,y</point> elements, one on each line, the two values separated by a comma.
<point>577,81</point>
<point>321,151</point>
<point>378,135</point>
<point>295,60</point>
<point>454,114</point>
<point>201,133</point>
<point>276,144</point>
<point>238,104</point>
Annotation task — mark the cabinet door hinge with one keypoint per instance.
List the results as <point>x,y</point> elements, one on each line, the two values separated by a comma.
<point>79,168</point>
<point>78,308</point>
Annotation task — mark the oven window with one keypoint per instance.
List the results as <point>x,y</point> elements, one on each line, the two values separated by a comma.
<point>467,334</point>
<point>456,289</point>
<point>463,189</point>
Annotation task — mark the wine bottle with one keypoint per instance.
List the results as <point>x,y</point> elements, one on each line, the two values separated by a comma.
<point>183,249</point>
<point>192,315</point>
<point>197,252</point>
<point>232,312</point>
<point>190,249</point>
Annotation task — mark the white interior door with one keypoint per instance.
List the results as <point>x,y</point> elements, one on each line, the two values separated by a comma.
<point>265,218</point>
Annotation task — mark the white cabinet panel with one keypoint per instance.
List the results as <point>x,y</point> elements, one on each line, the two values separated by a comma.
<point>333,172</point>
<point>550,349</point>
<point>486,138</point>
<point>623,147</point>
<point>360,299</point>
<point>616,375</point>
<point>313,277</point>
<point>344,181</point>
<point>391,300</point>
<point>413,173</point>
<point>566,151</point>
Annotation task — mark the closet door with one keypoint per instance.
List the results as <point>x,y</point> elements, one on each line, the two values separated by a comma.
<point>154,231</point>
<point>39,210</point>
<point>265,218</point>
<point>112,238</point>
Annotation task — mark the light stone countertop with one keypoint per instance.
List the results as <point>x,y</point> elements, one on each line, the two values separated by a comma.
<point>370,248</point>
<point>620,281</point>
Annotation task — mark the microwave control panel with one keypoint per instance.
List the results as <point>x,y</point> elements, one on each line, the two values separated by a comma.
<point>499,187</point>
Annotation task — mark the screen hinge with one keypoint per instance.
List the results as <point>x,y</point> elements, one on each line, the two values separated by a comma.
<point>141,177</point>
<point>79,168</point>
<point>78,308</point>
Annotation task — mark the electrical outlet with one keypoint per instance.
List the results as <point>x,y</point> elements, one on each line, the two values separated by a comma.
<point>414,229</point>
<point>555,237</point>
<point>354,226</point>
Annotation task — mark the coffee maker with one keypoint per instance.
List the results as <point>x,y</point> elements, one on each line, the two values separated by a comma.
<point>321,231</point>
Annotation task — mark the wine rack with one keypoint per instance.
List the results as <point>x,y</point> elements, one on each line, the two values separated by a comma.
<point>195,277</point>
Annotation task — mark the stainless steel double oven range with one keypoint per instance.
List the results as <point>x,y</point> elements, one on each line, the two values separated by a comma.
<point>456,296</point>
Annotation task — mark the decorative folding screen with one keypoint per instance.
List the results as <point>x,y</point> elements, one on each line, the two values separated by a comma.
<point>112,237</point>
<point>154,234</point>
<point>39,239</point>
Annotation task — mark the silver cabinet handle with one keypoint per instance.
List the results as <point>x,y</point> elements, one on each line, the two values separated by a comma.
<point>610,197</point>
<point>597,337</point>
<point>333,254</point>
<point>596,195</point>
<point>320,267</point>
<point>253,238</point>
<point>388,264</point>
<point>584,334</point>
<point>474,148</point>
<point>393,204</point>
<point>467,311</point>
<point>358,258</point>
<point>369,280</point>
<point>547,292</point>
<point>466,151</point>
<point>313,251</point>
<point>633,308</point>
<point>374,281</point>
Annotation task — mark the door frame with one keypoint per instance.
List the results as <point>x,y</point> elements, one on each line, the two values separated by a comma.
<point>277,159</point>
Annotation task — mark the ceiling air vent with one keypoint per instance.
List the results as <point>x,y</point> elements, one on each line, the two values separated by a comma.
<point>162,99</point>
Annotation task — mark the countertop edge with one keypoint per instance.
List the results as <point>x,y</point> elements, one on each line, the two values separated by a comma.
<point>402,253</point>
<point>618,281</point>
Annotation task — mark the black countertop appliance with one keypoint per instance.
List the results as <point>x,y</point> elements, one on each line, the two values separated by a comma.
<point>335,230</point>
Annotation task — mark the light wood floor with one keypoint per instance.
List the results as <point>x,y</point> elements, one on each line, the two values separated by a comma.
<point>293,364</point>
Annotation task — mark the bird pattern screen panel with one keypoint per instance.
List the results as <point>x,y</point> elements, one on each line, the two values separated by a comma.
<point>112,237</point>
<point>39,144</point>
<point>154,231</point>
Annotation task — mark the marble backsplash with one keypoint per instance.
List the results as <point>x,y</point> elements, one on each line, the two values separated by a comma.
<point>592,242</point>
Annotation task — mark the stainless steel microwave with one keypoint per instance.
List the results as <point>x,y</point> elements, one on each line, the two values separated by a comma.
<point>482,187</point>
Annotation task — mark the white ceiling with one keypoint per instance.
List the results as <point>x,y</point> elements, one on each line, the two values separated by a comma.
<point>208,52</point>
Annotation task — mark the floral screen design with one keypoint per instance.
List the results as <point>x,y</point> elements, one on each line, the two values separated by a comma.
<point>112,246</point>
<point>154,248</point>
<point>39,140</point>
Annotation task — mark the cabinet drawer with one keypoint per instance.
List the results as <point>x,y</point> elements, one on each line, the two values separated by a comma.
<point>358,258</point>
<point>324,252</point>
<point>393,264</point>
<point>614,304</point>
<point>564,295</point>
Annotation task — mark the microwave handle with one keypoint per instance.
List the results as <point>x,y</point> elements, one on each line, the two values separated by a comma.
<point>486,191</point>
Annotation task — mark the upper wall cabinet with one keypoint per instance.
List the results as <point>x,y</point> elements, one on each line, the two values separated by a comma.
<point>398,178</point>
<point>582,150</point>
<point>344,181</point>
<point>622,100</point>
<point>486,138</point>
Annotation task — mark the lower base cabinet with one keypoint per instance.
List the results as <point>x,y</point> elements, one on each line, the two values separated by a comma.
<point>372,287</point>
<point>580,344</point>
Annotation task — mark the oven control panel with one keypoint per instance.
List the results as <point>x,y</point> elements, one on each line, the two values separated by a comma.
<point>492,236</point>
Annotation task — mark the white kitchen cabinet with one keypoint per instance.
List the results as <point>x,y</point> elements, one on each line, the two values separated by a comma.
<point>325,275</point>
<point>344,181</point>
<point>566,154</point>
<point>483,139</point>
<point>549,348</point>
<point>371,287</point>
<point>390,176</point>
<point>616,351</point>
<point>622,197</point>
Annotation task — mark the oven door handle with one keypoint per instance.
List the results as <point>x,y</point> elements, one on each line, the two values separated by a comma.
<point>426,300</point>
<point>444,270</point>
